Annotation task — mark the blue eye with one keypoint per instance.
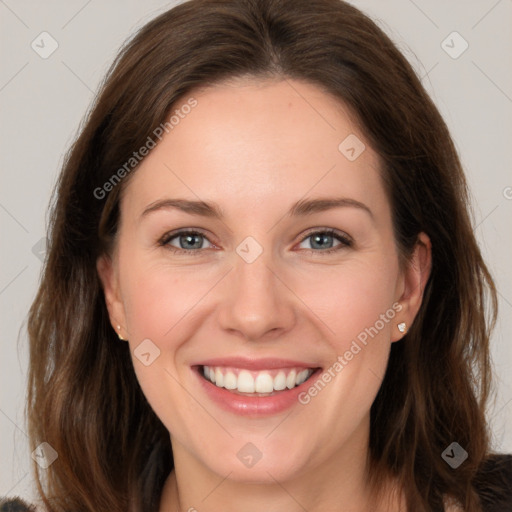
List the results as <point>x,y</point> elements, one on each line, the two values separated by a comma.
<point>190,241</point>
<point>323,240</point>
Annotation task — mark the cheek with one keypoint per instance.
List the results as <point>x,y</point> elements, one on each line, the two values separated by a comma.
<point>157,298</point>
<point>348,298</point>
<point>352,299</point>
<point>159,305</point>
<point>357,304</point>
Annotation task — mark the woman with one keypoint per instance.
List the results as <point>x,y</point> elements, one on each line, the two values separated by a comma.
<point>263,291</point>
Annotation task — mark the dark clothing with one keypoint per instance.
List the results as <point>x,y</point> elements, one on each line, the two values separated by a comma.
<point>493,484</point>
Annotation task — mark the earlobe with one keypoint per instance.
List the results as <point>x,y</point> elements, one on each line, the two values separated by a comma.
<point>415,278</point>
<point>110,283</point>
<point>402,327</point>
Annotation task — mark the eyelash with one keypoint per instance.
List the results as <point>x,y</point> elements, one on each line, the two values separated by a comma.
<point>345,240</point>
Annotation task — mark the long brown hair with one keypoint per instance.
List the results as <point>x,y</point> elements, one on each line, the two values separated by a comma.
<point>83,397</point>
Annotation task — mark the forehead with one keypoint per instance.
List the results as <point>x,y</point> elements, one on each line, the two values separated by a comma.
<point>249,143</point>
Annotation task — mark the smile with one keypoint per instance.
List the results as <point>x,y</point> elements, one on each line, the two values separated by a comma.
<point>258,383</point>
<point>254,387</point>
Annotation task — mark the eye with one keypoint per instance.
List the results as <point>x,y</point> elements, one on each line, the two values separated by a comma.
<point>323,240</point>
<point>189,241</point>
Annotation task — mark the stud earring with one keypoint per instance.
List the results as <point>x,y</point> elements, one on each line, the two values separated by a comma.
<point>402,327</point>
<point>119,334</point>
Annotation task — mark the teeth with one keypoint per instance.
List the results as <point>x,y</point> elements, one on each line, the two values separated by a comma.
<point>230,381</point>
<point>263,382</point>
<point>280,381</point>
<point>219,378</point>
<point>290,380</point>
<point>302,377</point>
<point>245,382</point>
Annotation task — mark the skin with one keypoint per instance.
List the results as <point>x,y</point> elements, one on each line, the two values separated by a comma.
<point>255,148</point>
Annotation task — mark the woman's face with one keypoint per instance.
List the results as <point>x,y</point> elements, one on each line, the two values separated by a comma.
<point>272,287</point>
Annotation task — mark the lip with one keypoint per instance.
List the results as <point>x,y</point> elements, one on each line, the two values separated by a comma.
<point>245,363</point>
<point>253,406</point>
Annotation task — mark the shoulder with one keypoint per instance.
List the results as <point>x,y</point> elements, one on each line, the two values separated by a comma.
<point>15,505</point>
<point>493,483</point>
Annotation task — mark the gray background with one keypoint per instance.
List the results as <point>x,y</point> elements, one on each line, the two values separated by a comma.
<point>43,100</point>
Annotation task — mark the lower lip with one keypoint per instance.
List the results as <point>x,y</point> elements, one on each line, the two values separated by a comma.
<point>255,406</point>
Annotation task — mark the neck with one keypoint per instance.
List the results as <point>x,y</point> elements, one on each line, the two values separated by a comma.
<point>339,483</point>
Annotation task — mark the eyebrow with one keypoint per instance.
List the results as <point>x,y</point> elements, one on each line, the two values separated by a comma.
<point>301,208</point>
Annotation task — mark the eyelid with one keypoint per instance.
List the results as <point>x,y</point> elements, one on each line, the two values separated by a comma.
<point>163,240</point>
<point>345,239</point>
<point>331,231</point>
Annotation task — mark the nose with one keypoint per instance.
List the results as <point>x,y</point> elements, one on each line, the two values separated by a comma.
<point>257,304</point>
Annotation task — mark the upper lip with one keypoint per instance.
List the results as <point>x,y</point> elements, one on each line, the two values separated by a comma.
<point>266,363</point>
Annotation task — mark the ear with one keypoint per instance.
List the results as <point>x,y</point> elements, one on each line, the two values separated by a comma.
<point>414,279</point>
<point>107,272</point>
